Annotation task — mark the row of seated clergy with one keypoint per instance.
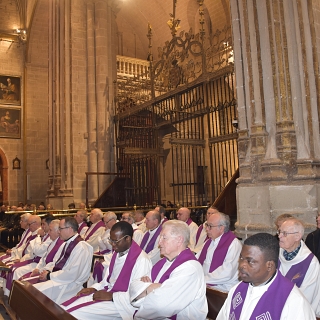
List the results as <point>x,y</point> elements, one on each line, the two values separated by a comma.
<point>63,276</point>
<point>131,287</point>
<point>35,248</point>
<point>264,292</point>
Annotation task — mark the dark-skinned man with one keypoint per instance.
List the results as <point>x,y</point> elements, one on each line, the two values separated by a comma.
<point>263,293</point>
<point>109,299</point>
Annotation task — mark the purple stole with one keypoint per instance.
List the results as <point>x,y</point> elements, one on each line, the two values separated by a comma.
<point>65,254</point>
<point>152,241</point>
<point>22,240</point>
<point>83,224</point>
<point>298,271</point>
<point>93,230</point>
<point>271,303</point>
<point>184,256</point>
<point>27,244</point>
<point>188,222</point>
<point>122,282</point>
<point>164,220</point>
<point>219,253</point>
<point>199,233</point>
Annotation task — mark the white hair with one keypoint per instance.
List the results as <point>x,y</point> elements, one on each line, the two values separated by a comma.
<point>178,228</point>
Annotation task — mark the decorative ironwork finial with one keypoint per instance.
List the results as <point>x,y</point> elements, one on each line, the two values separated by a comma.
<point>201,19</point>
<point>149,36</point>
<point>173,23</point>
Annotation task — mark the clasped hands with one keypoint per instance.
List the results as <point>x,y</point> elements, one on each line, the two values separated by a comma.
<point>101,295</point>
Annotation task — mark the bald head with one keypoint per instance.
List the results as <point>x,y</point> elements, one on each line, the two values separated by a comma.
<point>183,214</point>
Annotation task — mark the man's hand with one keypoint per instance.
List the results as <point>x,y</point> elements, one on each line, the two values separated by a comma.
<point>103,295</point>
<point>35,272</point>
<point>86,291</point>
<point>15,261</point>
<point>43,275</point>
<point>40,232</point>
<point>8,251</point>
<point>152,287</point>
<point>145,279</point>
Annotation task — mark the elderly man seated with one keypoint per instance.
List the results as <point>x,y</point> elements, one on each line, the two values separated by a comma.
<point>219,255</point>
<point>128,216</point>
<point>70,268</point>
<point>297,262</point>
<point>175,288</point>
<point>109,299</point>
<point>183,214</point>
<point>263,293</point>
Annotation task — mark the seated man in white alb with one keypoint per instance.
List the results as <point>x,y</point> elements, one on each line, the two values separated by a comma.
<point>70,267</point>
<point>33,252</point>
<point>183,214</point>
<point>34,269</point>
<point>264,293</point>
<point>201,235</point>
<point>140,220</point>
<point>81,217</point>
<point>109,299</point>
<point>175,288</point>
<point>220,254</point>
<point>150,239</point>
<point>96,230</point>
<point>15,252</point>
<point>137,233</point>
<point>162,212</point>
<point>105,248</point>
<point>298,263</point>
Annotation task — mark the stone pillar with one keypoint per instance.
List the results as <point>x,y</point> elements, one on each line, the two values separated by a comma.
<point>277,75</point>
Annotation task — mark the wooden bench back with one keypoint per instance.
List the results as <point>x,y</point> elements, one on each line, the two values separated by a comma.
<point>215,301</point>
<point>31,304</point>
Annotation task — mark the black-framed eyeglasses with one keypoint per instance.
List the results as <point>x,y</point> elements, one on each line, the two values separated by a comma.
<point>116,241</point>
<point>209,226</point>
<point>108,221</point>
<point>63,228</point>
<point>285,233</point>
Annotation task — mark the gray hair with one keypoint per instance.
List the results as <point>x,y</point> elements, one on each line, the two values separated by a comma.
<point>25,216</point>
<point>298,225</point>
<point>83,214</point>
<point>178,228</point>
<point>98,211</point>
<point>131,216</point>
<point>55,224</point>
<point>224,221</point>
<point>110,215</point>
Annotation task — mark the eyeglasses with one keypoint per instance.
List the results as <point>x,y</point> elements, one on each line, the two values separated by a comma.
<point>116,241</point>
<point>285,233</point>
<point>63,228</point>
<point>31,223</point>
<point>207,225</point>
<point>108,221</point>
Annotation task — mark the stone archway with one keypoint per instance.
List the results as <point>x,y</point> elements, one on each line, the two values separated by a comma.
<point>4,178</point>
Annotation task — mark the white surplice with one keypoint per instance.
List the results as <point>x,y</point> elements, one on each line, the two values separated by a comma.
<point>296,306</point>
<point>225,276</point>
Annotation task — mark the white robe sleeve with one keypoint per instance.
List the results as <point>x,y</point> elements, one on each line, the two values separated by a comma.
<point>193,232</point>
<point>137,236</point>
<point>93,240</point>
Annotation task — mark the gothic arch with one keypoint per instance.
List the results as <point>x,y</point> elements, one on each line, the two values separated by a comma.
<point>4,176</point>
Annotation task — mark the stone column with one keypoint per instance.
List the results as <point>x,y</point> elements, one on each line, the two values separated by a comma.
<point>276,67</point>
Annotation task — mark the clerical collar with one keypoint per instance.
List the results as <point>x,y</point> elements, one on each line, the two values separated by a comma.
<point>70,238</point>
<point>173,258</point>
<point>123,252</point>
<point>264,283</point>
<point>291,255</point>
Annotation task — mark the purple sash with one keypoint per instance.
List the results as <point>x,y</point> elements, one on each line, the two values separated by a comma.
<point>53,251</point>
<point>98,271</point>
<point>219,253</point>
<point>83,224</point>
<point>27,244</point>
<point>122,282</point>
<point>24,238</point>
<point>164,220</point>
<point>297,272</point>
<point>152,241</point>
<point>188,222</point>
<point>65,254</point>
<point>183,257</point>
<point>264,309</point>
<point>198,233</point>
<point>93,230</point>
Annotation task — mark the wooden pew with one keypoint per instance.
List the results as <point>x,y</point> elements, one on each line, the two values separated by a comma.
<point>215,301</point>
<point>31,304</point>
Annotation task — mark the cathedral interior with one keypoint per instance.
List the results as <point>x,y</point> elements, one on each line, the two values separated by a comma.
<point>135,102</point>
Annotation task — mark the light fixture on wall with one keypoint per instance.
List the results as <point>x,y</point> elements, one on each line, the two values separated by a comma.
<point>235,123</point>
<point>16,163</point>
<point>22,33</point>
